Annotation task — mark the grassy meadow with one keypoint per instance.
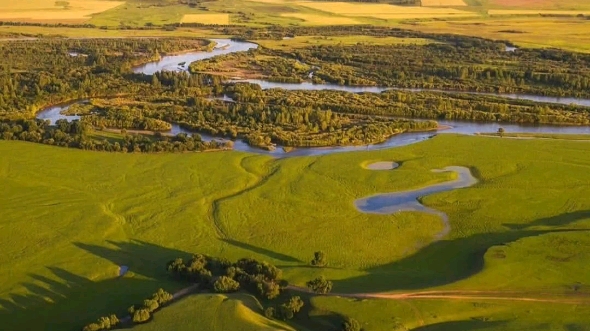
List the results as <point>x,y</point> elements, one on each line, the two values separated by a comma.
<point>74,217</point>
<point>214,312</point>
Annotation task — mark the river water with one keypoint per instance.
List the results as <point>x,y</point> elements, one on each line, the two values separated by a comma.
<point>390,203</point>
<point>226,46</point>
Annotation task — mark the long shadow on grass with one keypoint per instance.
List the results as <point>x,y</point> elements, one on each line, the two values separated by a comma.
<point>559,220</point>
<point>460,325</point>
<point>65,301</point>
<point>262,251</point>
<point>141,257</point>
<point>440,263</point>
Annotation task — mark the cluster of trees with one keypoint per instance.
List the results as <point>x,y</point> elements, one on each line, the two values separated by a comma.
<point>320,285</point>
<point>140,313</point>
<point>435,105</point>
<point>220,275</point>
<point>51,71</point>
<point>78,134</point>
<point>436,65</point>
<point>286,310</point>
<point>103,323</point>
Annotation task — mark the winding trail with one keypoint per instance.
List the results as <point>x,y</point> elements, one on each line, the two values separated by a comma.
<point>464,295</point>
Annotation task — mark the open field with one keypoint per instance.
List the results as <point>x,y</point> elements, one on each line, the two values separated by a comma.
<point>567,33</point>
<point>222,19</point>
<point>458,315</point>
<point>511,12</point>
<point>538,4</point>
<point>307,41</point>
<point>89,212</point>
<point>313,19</point>
<point>11,32</point>
<point>541,135</point>
<point>53,11</point>
<point>443,3</point>
<point>383,11</point>
<point>214,312</point>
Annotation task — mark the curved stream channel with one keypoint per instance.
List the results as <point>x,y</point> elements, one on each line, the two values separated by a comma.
<point>226,46</point>
<point>389,203</point>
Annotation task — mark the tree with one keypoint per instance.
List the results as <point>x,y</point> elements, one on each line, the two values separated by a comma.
<point>319,259</point>
<point>162,297</point>
<point>151,305</point>
<point>501,132</point>
<point>269,290</point>
<point>320,285</point>
<point>225,284</point>
<point>350,324</point>
<point>141,316</point>
<point>294,304</point>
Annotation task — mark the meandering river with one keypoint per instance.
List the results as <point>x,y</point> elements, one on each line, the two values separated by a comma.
<point>389,203</point>
<point>226,46</point>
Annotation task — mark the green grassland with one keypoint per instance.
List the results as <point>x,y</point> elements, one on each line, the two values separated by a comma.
<point>214,312</point>
<point>74,216</point>
<point>540,135</point>
<point>457,315</point>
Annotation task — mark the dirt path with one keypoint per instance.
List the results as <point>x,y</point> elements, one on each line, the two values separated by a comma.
<point>464,295</point>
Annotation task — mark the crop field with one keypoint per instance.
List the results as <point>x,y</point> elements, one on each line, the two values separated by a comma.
<point>53,11</point>
<point>443,3</point>
<point>567,33</point>
<point>538,4</point>
<point>75,217</point>
<point>314,19</point>
<point>383,11</point>
<point>307,41</point>
<point>511,12</point>
<point>221,19</point>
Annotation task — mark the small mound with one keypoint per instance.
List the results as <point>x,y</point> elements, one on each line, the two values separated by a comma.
<point>383,165</point>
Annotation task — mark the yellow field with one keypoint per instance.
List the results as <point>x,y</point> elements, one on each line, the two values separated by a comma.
<point>383,11</point>
<point>566,33</point>
<point>307,41</point>
<point>443,3</point>
<point>503,12</point>
<point>50,10</point>
<point>221,19</point>
<point>312,19</point>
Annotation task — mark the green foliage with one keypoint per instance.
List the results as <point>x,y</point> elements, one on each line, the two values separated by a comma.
<point>320,285</point>
<point>350,324</point>
<point>225,284</point>
<point>319,259</point>
<point>141,315</point>
<point>150,305</point>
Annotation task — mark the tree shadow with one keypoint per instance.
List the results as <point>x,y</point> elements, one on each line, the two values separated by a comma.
<point>461,325</point>
<point>440,263</point>
<point>559,220</point>
<point>262,251</point>
<point>141,257</point>
<point>61,300</point>
<point>68,302</point>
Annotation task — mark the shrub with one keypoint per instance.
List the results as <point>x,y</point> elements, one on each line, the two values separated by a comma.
<point>225,284</point>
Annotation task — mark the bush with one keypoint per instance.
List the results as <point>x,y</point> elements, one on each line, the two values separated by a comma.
<point>319,259</point>
<point>141,316</point>
<point>225,284</point>
<point>320,285</point>
<point>350,324</point>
